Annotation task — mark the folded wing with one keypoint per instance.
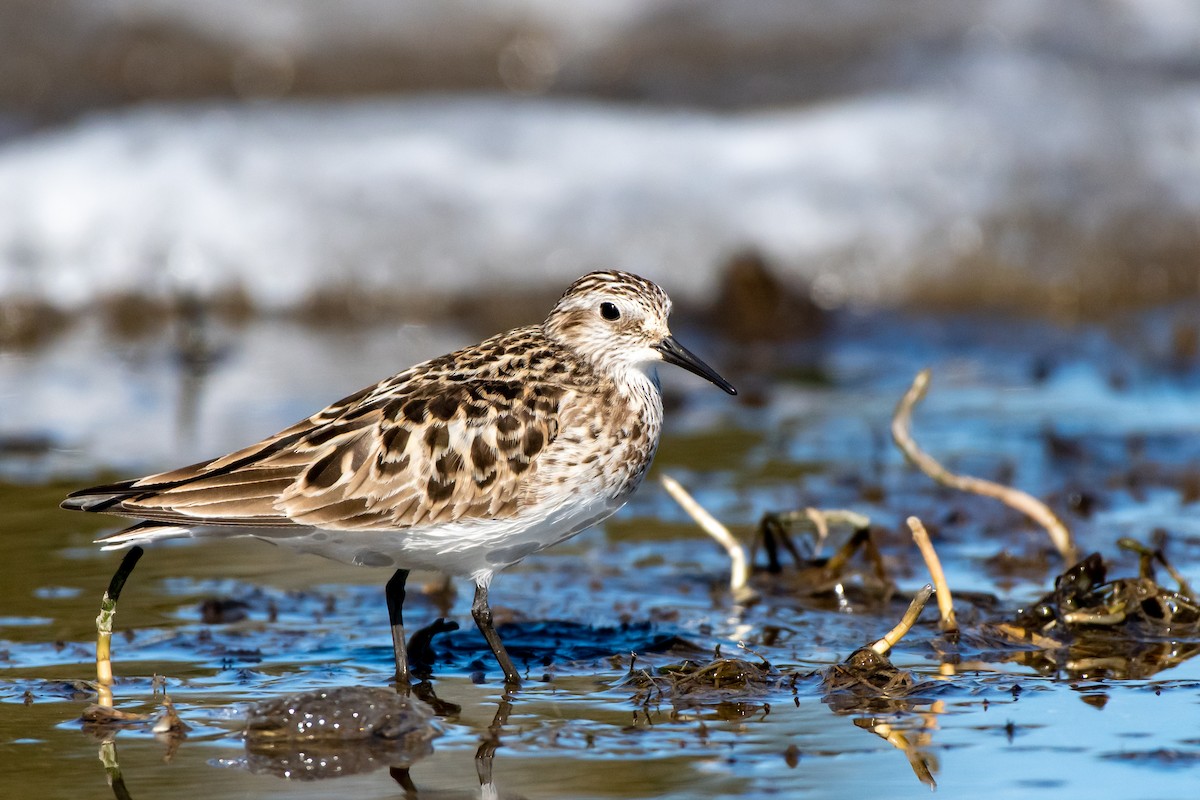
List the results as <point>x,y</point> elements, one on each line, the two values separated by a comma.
<point>387,458</point>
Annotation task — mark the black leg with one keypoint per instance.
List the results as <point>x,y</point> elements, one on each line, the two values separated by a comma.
<point>395,604</point>
<point>401,776</point>
<point>482,613</point>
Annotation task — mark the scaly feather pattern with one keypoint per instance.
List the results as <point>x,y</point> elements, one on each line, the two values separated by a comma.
<point>491,442</point>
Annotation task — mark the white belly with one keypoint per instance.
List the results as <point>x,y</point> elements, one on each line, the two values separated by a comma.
<point>477,548</point>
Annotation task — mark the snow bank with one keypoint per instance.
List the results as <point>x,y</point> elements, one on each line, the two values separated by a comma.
<point>872,198</point>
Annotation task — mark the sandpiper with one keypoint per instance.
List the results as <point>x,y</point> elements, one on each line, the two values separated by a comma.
<point>464,464</point>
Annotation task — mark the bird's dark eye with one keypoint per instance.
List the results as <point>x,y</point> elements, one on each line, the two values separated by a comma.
<point>610,311</point>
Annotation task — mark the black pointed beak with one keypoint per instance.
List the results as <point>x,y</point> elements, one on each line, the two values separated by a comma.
<point>675,353</point>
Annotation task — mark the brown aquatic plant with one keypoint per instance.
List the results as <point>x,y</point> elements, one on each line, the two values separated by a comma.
<point>868,668</point>
<point>947,621</point>
<point>1148,557</point>
<point>1085,598</point>
<point>867,682</point>
<point>888,641</point>
<point>813,575</point>
<point>730,686</point>
<point>1092,626</point>
<point>104,721</point>
<point>739,575</point>
<point>98,716</point>
<point>1060,535</point>
<point>775,527</point>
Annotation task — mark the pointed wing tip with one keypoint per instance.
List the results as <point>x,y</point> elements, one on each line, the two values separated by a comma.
<point>84,502</point>
<point>99,498</point>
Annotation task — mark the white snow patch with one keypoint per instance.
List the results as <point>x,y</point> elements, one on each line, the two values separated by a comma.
<point>437,194</point>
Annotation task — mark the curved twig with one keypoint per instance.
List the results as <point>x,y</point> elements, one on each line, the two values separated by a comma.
<point>1026,503</point>
<point>945,602</point>
<point>881,646</point>
<point>739,573</point>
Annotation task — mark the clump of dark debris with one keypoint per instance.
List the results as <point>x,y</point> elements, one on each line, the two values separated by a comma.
<point>729,686</point>
<point>331,732</point>
<point>1091,626</point>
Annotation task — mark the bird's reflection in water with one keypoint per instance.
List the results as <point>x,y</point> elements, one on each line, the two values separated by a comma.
<point>332,733</point>
<point>484,756</point>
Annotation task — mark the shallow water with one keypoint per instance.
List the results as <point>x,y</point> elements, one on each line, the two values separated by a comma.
<point>1095,420</point>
